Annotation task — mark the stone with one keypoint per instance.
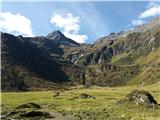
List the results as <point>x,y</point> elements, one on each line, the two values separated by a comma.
<point>141,97</point>
<point>86,96</point>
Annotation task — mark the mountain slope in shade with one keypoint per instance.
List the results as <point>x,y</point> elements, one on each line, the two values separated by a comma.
<point>54,42</point>
<point>23,60</point>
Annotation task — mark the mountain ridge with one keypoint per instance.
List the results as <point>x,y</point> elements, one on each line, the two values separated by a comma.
<point>113,60</point>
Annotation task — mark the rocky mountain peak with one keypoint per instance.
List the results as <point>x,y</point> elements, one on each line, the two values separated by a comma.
<point>60,39</point>
<point>55,35</point>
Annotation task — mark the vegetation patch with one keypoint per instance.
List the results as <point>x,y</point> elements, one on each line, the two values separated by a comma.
<point>33,115</point>
<point>28,105</point>
<point>36,114</point>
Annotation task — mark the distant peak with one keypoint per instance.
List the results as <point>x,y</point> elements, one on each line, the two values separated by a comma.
<point>54,34</point>
<point>57,32</point>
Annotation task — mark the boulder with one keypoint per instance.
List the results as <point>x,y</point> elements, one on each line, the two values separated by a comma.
<point>141,97</point>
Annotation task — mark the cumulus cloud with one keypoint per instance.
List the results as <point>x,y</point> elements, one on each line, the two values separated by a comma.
<point>137,22</point>
<point>78,38</point>
<point>70,26</point>
<point>15,24</point>
<point>153,9</point>
<point>153,4</point>
<point>69,23</point>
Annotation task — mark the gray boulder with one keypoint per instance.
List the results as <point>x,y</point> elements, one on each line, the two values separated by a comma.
<point>141,97</point>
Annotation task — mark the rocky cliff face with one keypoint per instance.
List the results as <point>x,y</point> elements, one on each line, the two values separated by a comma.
<point>139,41</point>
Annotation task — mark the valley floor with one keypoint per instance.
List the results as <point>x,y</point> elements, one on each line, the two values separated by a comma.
<point>68,105</point>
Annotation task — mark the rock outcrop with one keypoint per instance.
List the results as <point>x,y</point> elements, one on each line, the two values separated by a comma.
<point>141,97</point>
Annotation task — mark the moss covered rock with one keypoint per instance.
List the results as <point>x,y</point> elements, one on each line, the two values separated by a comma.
<point>141,97</point>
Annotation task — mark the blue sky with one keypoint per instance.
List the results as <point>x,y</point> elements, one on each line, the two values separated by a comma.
<point>81,21</point>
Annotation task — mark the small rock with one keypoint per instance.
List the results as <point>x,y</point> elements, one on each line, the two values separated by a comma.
<point>86,96</point>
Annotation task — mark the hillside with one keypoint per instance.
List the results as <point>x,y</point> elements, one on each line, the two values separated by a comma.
<point>52,61</point>
<point>27,65</point>
<point>123,58</point>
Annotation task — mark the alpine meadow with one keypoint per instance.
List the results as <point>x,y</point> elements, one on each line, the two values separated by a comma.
<point>101,62</point>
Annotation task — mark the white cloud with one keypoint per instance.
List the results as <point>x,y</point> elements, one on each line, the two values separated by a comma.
<point>153,4</point>
<point>69,23</point>
<point>15,24</point>
<point>153,9</point>
<point>137,22</point>
<point>77,37</point>
<point>92,22</point>
<point>92,17</point>
<point>70,26</point>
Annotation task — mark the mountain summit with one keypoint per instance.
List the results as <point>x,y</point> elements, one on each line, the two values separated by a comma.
<point>61,39</point>
<point>55,35</point>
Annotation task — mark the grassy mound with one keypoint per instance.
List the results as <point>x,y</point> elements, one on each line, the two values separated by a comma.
<point>28,105</point>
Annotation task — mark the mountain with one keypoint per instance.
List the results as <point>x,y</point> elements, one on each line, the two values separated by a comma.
<point>54,42</point>
<point>128,57</point>
<point>54,61</point>
<point>153,25</point>
<point>59,39</point>
<point>27,64</point>
<point>142,38</point>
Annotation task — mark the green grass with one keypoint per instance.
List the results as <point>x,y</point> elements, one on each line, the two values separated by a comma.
<point>118,57</point>
<point>152,58</point>
<point>104,107</point>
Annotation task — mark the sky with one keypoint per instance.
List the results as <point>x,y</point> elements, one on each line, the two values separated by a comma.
<point>82,21</point>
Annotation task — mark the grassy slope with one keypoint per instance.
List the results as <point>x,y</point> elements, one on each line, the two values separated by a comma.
<point>100,108</point>
<point>152,58</point>
<point>149,66</point>
<point>143,52</point>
